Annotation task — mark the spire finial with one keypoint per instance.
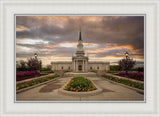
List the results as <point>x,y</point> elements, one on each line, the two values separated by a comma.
<point>80,33</point>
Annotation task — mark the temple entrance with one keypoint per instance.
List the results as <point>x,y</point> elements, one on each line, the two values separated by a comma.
<point>80,67</point>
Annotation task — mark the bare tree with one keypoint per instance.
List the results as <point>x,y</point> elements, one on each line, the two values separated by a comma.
<point>23,65</point>
<point>34,64</point>
<point>126,64</point>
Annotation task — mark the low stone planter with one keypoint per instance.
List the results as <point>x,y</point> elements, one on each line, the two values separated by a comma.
<point>72,93</point>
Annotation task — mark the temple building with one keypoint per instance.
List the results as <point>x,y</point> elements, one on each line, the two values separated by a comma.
<point>80,62</point>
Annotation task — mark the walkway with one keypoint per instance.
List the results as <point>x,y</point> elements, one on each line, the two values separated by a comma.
<point>111,92</point>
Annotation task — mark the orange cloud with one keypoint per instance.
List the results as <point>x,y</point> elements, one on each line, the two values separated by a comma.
<point>48,52</point>
<point>21,28</point>
<point>50,46</point>
<point>95,44</point>
<point>94,19</point>
<point>96,51</point>
<point>113,46</point>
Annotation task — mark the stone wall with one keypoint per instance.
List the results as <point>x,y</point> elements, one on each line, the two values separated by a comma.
<point>92,66</point>
<point>98,66</point>
<point>62,66</point>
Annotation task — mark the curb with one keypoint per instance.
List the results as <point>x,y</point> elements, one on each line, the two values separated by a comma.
<point>27,88</point>
<point>71,93</point>
<point>133,88</point>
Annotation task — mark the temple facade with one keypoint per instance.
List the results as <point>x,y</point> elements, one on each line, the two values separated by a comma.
<point>80,62</point>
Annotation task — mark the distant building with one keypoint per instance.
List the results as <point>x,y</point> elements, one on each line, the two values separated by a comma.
<point>80,62</point>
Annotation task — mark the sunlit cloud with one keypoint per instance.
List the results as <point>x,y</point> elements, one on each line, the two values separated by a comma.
<point>73,45</point>
<point>22,28</point>
<point>50,46</point>
<point>31,41</point>
<point>55,38</point>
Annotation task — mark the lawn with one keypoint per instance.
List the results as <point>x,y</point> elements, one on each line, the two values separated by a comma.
<point>34,82</point>
<point>126,82</point>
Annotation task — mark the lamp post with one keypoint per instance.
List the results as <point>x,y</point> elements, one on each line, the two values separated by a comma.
<point>126,54</point>
<point>35,55</point>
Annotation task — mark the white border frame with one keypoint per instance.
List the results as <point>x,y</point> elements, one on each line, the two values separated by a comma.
<point>144,16</point>
<point>150,8</point>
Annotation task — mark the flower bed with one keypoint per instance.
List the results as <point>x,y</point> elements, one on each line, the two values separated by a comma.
<point>80,84</point>
<point>27,73</point>
<point>34,82</point>
<point>133,75</point>
<point>126,82</point>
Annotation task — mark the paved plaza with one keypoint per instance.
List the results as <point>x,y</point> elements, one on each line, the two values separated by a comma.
<point>110,92</point>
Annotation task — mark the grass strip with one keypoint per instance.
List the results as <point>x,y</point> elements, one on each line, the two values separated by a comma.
<point>125,82</point>
<point>34,82</point>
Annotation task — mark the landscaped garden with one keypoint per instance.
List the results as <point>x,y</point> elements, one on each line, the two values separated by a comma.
<point>127,64</point>
<point>80,84</point>
<point>23,75</point>
<point>27,73</point>
<point>130,74</point>
<point>33,82</point>
<point>126,82</point>
<point>133,75</point>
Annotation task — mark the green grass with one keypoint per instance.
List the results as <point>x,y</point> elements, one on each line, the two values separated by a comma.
<point>46,72</point>
<point>112,71</point>
<point>34,82</point>
<point>80,84</point>
<point>126,82</point>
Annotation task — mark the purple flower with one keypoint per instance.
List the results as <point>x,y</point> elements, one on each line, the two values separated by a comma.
<point>26,73</point>
<point>133,75</point>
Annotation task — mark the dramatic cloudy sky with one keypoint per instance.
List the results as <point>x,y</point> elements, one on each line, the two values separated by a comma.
<point>55,38</point>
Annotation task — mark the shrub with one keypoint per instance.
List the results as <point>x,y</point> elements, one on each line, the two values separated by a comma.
<point>27,73</point>
<point>134,75</point>
<point>46,71</point>
<point>114,67</point>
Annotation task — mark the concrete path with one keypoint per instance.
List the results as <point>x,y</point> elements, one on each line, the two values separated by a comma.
<point>111,92</point>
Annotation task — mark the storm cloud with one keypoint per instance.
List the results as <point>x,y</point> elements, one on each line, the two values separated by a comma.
<point>104,37</point>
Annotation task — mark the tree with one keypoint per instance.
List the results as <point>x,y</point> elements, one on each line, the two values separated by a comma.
<point>21,65</point>
<point>18,66</point>
<point>126,64</point>
<point>49,67</point>
<point>34,64</point>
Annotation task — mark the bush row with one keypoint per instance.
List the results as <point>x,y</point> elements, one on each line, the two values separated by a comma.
<point>27,73</point>
<point>133,75</point>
